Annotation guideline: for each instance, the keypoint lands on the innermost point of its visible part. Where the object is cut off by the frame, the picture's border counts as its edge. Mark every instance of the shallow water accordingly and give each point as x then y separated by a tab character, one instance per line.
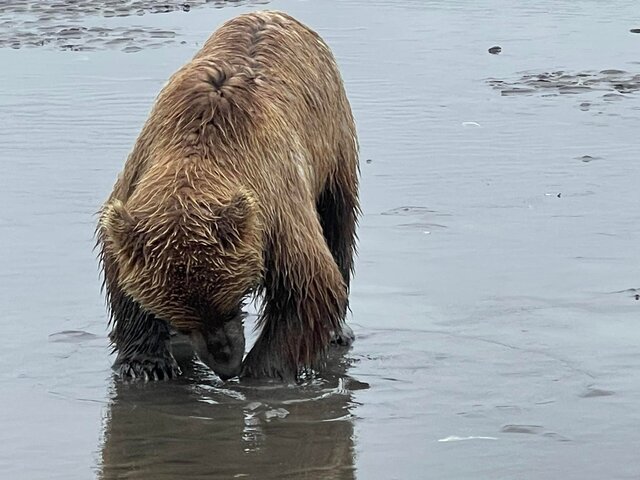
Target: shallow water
496	296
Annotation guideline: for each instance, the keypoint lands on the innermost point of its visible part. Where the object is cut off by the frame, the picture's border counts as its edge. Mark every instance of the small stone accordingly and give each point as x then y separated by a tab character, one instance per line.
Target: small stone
635	30
276	413
495	50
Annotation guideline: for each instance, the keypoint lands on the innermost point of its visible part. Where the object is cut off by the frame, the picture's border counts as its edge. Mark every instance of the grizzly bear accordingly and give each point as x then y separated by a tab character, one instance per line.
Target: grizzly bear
243	182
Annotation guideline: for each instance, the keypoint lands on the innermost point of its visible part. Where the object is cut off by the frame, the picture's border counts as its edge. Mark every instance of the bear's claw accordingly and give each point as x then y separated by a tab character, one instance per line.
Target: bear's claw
147	370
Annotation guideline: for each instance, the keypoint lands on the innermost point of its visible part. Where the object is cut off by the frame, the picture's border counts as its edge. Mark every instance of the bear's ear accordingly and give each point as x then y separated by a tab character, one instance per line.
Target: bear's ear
236	220
116	223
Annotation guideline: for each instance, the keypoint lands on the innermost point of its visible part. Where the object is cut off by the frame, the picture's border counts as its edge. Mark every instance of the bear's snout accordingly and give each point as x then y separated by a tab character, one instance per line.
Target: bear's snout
222	349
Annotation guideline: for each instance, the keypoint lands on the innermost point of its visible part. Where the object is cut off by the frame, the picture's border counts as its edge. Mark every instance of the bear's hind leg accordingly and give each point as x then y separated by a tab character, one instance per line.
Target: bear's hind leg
338	211
142	342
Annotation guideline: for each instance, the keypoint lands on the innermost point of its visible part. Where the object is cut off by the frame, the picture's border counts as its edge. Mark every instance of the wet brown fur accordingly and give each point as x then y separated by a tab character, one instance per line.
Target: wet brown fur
243	181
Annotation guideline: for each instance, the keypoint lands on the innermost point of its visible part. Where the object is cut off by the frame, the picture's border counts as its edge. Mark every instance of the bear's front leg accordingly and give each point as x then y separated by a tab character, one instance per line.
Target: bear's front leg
305	302
143	344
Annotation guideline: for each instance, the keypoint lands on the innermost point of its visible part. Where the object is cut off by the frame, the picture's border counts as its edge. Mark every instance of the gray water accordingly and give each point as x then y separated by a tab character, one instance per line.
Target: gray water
496	295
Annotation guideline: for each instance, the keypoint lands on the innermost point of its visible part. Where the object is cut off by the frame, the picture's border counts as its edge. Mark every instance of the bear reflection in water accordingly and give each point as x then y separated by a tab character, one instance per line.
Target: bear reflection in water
191	428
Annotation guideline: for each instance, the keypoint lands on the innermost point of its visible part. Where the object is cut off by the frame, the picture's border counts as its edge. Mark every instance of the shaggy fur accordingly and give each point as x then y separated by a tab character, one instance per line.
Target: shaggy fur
243	181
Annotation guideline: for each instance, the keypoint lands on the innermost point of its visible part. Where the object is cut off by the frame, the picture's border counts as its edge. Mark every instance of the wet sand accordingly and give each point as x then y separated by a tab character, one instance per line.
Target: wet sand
496	293
86	25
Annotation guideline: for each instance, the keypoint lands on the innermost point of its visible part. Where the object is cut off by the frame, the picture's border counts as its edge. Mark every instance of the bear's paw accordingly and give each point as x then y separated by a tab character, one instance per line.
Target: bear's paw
149	369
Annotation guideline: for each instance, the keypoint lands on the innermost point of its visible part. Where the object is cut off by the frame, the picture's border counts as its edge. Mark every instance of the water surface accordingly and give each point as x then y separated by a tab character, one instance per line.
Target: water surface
495	299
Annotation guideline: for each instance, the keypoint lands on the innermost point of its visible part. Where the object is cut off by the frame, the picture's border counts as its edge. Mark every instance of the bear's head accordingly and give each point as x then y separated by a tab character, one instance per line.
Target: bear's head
190	262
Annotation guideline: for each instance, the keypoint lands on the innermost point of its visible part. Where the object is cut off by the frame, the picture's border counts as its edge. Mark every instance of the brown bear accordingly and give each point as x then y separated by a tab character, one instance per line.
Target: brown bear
243	181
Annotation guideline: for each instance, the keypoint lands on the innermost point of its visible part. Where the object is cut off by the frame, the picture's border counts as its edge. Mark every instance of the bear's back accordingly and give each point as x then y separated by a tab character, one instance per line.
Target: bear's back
261	68
263	87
